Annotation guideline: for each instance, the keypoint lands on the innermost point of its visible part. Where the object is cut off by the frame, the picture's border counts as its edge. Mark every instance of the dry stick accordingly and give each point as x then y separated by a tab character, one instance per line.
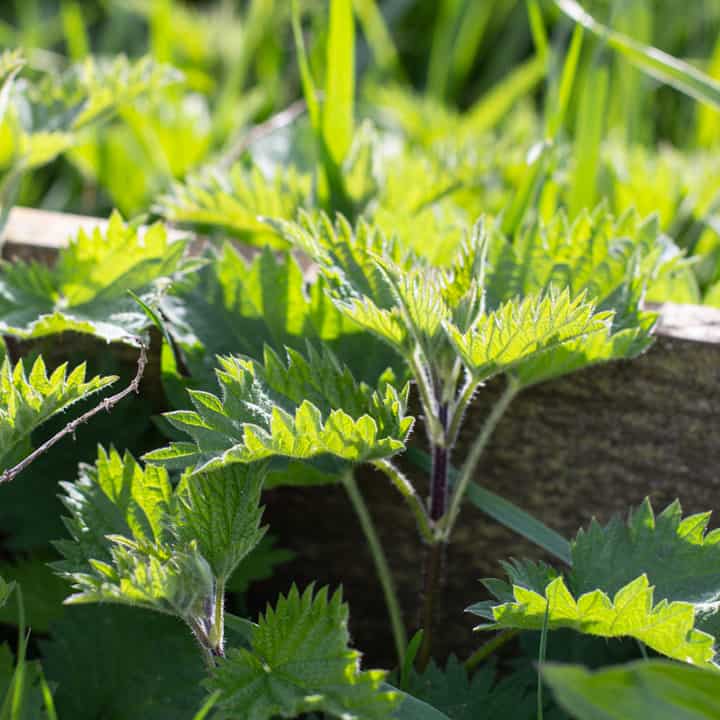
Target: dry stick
276	122
71	427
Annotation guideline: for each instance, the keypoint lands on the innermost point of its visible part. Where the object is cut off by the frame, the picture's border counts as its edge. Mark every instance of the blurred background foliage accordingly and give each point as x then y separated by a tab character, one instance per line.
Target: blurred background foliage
239	67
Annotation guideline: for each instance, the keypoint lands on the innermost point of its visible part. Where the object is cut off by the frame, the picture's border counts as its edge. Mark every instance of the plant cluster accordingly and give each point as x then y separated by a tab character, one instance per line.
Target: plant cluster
495	245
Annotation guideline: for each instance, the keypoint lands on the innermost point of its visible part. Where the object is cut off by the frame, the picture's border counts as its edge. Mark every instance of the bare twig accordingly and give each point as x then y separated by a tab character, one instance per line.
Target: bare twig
276	122
105	404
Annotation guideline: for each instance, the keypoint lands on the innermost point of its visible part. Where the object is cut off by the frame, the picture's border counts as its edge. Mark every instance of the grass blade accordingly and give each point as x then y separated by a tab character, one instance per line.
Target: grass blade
208	705
378	37
494	105
448	18
556	119
503	511
588	137
339	105
517	520
656	63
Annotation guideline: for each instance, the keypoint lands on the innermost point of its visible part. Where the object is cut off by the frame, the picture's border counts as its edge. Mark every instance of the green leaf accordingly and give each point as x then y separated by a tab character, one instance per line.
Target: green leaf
309	408
238	306
95	89
657	689
126	664
43	593
666	627
679	556
413	709
232	203
520	330
221	512
125	547
299	661
479	696
339	102
27	401
86	291
589	132
654	62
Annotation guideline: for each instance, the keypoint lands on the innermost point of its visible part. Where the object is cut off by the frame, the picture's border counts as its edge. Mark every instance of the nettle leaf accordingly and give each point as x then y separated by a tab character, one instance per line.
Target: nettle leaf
236	306
474	696
677	557
657	689
122	549
221	511
126	664
309	408
484	305
665	627
27	401
138	541
97	87
233	203
87	290
521	329
299	661
611	261
52	112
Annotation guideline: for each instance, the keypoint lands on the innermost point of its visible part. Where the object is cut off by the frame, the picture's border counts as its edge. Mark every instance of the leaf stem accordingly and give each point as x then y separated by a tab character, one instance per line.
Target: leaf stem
105	404
488	648
459	407
203	641
476	451
217	631
381	565
413	499
427	398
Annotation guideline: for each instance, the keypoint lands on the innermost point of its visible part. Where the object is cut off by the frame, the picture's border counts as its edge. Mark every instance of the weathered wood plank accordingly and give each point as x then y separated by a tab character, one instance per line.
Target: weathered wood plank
41	233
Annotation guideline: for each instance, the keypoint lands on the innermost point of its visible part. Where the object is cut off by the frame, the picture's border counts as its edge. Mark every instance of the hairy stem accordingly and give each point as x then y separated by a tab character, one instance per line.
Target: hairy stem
381	565
439	478
459	407
435	559
217	629
432	582
473	458
105	404
414	501
202	639
427	398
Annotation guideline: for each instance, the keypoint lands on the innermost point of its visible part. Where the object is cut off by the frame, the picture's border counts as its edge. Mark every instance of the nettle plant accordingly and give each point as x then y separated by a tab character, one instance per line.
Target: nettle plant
167	535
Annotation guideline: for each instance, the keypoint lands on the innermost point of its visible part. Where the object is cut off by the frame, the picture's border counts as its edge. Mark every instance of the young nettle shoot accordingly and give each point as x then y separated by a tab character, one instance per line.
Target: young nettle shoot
501	306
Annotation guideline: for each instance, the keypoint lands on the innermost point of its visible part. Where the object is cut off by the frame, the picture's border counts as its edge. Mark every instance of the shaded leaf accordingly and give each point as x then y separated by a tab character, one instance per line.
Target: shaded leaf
87	290
657	689
28	400
300	661
308	408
